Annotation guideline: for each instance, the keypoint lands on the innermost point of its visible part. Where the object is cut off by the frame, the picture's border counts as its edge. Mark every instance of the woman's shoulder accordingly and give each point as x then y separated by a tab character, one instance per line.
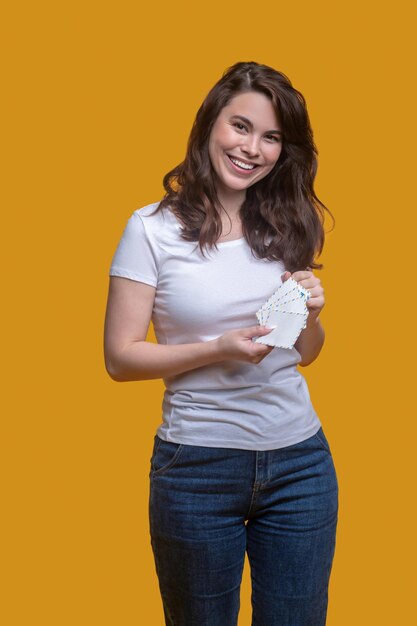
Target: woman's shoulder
151	211
155	218
160	225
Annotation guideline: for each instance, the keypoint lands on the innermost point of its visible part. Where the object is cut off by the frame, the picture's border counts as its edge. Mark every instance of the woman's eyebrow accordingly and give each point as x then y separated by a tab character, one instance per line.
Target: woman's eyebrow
249	123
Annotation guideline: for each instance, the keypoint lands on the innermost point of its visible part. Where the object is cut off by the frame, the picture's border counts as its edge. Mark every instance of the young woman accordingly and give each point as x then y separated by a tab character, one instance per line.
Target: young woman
240	462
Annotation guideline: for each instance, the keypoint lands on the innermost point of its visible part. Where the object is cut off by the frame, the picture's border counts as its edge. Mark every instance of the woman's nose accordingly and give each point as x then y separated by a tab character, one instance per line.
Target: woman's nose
251	145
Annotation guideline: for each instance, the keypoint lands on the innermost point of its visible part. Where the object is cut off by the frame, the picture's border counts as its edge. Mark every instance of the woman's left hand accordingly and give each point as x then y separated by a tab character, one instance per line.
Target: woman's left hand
307	279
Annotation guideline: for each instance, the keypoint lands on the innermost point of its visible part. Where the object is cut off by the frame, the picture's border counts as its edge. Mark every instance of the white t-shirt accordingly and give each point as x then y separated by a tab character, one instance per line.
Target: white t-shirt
230	404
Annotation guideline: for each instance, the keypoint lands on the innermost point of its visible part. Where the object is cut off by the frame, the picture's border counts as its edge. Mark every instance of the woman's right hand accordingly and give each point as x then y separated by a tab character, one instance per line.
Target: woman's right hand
238	344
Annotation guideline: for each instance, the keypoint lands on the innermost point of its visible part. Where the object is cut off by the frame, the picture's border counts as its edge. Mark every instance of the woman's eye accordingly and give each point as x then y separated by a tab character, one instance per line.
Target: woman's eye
273	137
239	126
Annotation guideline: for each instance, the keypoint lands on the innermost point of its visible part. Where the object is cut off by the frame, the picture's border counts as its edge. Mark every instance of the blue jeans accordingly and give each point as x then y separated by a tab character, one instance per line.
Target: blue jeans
208	506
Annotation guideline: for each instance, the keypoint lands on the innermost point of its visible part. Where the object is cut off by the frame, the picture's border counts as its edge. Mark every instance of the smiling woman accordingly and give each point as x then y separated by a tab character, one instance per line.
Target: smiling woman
256	118
243	149
240	461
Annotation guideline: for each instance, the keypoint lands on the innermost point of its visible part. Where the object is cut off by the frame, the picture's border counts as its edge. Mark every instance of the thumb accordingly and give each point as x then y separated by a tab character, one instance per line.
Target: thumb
285	276
260	330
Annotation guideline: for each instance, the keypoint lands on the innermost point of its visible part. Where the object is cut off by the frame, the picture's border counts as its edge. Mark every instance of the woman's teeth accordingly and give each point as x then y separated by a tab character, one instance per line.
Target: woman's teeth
244	166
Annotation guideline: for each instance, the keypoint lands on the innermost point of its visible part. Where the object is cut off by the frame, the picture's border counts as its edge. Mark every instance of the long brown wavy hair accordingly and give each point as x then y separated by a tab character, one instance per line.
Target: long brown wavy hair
282	218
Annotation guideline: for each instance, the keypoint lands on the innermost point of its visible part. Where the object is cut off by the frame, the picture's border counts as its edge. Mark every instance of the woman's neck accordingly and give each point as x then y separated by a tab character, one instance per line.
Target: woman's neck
231	200
231	223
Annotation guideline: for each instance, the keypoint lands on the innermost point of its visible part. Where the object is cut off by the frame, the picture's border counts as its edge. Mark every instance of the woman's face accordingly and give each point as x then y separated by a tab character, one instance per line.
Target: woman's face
245	142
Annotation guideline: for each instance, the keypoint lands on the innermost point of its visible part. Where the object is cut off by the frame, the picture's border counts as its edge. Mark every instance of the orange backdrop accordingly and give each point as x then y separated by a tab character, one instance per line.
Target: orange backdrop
98	100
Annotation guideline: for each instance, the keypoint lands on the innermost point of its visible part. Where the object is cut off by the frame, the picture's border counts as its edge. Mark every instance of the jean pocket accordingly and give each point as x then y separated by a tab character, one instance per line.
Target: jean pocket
165	455
322	439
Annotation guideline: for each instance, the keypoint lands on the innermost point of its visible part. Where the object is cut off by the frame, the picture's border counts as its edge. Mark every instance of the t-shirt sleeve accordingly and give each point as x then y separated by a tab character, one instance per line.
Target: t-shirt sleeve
136	256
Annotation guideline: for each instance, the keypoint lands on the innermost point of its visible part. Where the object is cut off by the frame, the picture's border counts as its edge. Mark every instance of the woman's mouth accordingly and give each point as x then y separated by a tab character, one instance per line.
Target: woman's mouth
241	166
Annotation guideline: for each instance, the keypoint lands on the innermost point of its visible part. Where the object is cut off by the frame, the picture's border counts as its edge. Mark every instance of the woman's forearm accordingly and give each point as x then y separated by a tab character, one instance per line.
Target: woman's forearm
143	360
310	341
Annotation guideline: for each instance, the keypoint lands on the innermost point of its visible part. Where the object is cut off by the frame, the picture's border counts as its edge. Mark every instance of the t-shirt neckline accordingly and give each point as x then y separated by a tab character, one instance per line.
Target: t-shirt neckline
220	244
231	242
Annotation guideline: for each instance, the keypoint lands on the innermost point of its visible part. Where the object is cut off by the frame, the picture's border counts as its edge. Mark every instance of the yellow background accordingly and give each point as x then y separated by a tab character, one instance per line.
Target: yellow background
98	100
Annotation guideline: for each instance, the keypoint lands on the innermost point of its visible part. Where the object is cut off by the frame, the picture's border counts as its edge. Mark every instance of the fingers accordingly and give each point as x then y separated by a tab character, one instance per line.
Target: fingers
302	275
239	344
257	357
262	330
256	331
259	351
307	280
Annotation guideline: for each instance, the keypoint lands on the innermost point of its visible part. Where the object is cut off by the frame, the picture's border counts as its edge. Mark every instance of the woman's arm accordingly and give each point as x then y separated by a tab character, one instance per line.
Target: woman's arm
129	357
311	339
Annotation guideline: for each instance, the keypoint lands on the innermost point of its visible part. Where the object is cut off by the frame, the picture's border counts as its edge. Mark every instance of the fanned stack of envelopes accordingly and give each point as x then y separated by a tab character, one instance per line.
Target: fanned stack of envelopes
286	312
